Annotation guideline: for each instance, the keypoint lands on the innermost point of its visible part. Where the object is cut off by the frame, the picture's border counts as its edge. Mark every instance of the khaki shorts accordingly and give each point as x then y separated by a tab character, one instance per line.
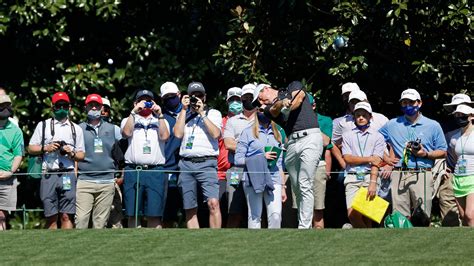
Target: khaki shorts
8	194
319	187
353	185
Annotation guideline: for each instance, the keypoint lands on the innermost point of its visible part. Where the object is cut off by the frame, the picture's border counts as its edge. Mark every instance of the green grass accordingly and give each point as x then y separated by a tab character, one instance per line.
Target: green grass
180	246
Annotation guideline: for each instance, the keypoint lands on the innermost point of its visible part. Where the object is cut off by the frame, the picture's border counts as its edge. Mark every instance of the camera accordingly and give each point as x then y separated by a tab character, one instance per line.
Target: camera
414	145
193	101
61	143
148	104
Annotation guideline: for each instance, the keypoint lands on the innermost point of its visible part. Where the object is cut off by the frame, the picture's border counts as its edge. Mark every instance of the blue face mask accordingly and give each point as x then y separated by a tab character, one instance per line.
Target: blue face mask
235	107
93	114
172	103
410	110
363	127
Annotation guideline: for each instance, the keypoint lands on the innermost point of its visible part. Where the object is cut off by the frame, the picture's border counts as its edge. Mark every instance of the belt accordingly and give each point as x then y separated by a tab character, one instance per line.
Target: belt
144	166
403	169
303	133
199	159
62	170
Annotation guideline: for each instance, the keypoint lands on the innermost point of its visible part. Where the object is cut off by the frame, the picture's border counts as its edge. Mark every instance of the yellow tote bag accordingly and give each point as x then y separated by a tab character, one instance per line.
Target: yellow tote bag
373	209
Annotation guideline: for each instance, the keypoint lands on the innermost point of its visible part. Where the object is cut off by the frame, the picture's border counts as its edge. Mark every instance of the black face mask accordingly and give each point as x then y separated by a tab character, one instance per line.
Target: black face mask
6	113
248	105
462	121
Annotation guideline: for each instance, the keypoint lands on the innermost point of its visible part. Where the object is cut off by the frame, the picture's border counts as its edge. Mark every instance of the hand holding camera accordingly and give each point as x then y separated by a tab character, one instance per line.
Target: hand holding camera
196	104
416	148
64	147
143	104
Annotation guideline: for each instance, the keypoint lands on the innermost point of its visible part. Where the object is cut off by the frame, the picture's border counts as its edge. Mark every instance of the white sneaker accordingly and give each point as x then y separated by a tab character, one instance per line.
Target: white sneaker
347	226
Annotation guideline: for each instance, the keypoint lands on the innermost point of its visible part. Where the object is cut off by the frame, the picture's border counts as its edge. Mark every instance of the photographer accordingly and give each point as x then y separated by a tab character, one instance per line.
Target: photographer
199	129
61	143
147	132
417	141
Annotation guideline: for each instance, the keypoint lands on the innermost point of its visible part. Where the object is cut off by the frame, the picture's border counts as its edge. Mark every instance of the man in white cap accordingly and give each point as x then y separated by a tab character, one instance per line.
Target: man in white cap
363	148
237	206
292	110
347	122
417	142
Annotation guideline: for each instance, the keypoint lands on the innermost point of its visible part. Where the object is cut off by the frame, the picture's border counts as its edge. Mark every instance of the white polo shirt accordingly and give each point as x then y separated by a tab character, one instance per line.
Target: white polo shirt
62	131
145	135
203	143
345	124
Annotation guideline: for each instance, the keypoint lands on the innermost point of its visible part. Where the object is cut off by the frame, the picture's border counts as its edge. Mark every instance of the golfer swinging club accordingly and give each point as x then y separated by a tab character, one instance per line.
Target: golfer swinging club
291	109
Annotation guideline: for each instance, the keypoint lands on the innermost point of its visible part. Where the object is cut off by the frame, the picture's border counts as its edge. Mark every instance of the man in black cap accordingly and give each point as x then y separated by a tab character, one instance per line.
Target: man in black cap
199	128
147	132
292	110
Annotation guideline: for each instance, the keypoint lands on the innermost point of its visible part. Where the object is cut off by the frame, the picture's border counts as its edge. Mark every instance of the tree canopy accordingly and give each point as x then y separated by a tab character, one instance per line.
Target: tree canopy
114	47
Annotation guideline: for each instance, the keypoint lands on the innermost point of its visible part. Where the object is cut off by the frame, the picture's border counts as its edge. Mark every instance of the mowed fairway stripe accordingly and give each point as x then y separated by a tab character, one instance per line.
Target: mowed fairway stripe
237	246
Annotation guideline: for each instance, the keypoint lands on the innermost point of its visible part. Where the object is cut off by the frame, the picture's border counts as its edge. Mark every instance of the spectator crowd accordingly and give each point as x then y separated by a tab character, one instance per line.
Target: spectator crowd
174	159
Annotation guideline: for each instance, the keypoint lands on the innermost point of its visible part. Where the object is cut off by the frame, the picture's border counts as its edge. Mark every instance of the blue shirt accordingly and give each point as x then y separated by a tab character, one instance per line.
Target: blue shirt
248	146
172	145
362	144
398	131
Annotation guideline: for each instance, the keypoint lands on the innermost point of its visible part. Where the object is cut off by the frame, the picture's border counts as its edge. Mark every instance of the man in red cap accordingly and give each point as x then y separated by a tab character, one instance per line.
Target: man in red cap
60	142
95	184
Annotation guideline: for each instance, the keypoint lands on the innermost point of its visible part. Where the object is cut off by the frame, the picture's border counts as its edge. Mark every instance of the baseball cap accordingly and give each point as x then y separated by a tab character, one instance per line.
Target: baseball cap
106	102
234	91
5	99
60	96
196	87
257	91
410	94
295	85
168	87
94	98
143	93
363	105
350	87
464	109
458	99
358	94
248	88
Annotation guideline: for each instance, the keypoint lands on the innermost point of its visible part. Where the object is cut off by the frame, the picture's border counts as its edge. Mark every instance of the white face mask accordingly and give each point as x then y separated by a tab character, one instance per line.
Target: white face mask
93	114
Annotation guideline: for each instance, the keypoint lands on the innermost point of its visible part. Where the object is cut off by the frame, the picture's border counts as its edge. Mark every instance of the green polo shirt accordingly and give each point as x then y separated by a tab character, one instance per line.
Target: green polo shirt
11	145
325	125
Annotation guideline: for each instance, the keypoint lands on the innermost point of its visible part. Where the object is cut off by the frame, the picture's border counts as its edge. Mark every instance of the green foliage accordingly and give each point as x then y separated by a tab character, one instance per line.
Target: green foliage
32	220
115	47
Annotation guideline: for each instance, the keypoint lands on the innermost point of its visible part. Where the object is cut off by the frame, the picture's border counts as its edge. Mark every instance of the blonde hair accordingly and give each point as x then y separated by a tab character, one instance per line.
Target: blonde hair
275	130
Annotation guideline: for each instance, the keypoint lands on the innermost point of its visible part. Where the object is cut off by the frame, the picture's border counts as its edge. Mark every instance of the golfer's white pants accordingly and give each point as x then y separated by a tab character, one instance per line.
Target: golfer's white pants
255	206
304	149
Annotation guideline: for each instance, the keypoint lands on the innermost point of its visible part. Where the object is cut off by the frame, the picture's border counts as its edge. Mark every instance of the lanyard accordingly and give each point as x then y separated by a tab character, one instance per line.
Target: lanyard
195	125
464	145
365	144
